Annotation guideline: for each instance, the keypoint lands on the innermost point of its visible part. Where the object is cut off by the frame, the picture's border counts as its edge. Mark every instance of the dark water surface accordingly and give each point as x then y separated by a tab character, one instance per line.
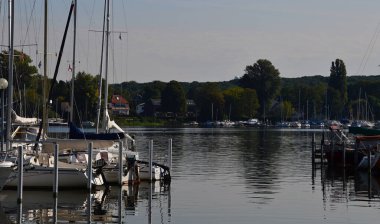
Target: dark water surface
219	176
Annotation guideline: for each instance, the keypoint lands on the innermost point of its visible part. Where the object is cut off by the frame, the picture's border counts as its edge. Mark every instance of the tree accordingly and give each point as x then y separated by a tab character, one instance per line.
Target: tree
265	79
22	68
153	90
337	91
86	95
210	102
243	102
173	98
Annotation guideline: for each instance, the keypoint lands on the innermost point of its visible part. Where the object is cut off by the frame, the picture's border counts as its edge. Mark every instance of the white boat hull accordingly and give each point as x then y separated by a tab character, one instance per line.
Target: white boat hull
43	177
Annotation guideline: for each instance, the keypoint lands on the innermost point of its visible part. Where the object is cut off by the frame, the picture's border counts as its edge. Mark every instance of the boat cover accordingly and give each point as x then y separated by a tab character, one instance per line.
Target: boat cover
76	133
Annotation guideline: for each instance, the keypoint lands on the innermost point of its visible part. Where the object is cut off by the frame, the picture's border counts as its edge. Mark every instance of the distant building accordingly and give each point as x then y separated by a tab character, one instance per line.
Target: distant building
152	107
119	105
140	109
191	109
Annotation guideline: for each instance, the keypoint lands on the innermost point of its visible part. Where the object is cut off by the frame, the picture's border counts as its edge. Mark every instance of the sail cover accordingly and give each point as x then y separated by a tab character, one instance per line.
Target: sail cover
76	133
23	120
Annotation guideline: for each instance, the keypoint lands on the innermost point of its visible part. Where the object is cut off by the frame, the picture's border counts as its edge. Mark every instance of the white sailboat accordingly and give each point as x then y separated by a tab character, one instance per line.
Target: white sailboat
133	170
39	167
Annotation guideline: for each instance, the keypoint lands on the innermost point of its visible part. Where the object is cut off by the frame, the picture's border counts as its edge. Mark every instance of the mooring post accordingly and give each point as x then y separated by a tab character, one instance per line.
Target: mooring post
332	149
344	155
20	174
121	169
55	210
89	166
369	175
356	154
369	163
150	159
55	186
313	150
170	155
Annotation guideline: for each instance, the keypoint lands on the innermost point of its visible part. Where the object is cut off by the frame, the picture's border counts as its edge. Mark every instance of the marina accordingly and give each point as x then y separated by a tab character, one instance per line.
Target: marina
171	112
220	175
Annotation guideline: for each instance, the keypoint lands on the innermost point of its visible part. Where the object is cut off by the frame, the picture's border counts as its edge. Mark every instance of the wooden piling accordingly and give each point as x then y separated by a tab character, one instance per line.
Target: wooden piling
121	169
369	163
55	185
369	175
89	166
313	149
150	159
170	146
344	155
20	174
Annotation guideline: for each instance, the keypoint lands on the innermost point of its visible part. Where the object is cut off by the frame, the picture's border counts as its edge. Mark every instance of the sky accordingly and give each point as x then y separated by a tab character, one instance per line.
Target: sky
206	40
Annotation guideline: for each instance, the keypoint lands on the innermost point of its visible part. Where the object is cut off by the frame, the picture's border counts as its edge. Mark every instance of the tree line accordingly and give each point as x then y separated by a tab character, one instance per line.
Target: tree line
259	93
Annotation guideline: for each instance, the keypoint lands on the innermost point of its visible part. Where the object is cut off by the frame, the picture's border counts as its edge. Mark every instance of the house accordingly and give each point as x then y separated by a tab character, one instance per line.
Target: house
119	105
191	109
152	107
140	109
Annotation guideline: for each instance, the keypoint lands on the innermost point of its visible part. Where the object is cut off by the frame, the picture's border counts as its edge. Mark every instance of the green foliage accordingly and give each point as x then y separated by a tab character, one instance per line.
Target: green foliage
241	102
337	95
210	102
23	78
86	95
283	111
173	98
153	90
337	91
265	79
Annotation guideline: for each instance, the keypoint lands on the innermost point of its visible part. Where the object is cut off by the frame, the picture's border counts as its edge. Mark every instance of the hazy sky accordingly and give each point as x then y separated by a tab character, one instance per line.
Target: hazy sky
210	40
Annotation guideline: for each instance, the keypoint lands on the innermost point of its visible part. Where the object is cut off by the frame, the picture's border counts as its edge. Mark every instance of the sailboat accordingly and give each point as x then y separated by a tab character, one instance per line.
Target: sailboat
134	170
39	166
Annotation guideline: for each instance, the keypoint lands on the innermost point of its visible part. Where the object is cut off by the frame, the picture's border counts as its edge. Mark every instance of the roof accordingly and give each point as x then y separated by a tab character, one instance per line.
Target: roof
118	99
156	102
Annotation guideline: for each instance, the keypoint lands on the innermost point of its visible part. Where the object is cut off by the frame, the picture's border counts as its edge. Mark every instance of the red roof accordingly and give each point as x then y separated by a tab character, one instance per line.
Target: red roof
117	99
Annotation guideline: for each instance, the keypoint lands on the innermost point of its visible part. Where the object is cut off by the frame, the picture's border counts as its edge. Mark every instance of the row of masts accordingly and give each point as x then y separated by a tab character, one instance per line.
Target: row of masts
45	71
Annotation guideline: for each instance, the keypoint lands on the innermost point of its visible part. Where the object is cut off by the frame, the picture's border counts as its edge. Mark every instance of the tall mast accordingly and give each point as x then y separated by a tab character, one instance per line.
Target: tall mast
10	73
73	68
100	72
106	69
45	83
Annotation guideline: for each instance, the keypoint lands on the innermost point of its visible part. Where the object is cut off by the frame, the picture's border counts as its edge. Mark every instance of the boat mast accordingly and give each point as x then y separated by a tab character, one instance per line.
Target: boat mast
45	83
101	71
73	68
10	73
106	70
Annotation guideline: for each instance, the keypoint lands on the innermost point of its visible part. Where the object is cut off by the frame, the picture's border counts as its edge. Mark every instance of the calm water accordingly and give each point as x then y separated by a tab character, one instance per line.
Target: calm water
219	176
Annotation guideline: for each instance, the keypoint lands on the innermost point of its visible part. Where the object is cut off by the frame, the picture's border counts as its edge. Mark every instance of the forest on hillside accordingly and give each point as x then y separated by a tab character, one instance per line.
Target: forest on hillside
261	93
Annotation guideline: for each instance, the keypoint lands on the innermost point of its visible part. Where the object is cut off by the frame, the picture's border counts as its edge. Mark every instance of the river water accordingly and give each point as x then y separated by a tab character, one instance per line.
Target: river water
234	175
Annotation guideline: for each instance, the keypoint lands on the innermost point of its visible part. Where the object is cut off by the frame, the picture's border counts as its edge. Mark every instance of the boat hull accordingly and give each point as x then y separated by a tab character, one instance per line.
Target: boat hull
43	177
335	157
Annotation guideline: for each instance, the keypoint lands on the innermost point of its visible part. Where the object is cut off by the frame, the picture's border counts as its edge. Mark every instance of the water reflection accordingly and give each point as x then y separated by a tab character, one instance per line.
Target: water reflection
219	176
105	206
348	185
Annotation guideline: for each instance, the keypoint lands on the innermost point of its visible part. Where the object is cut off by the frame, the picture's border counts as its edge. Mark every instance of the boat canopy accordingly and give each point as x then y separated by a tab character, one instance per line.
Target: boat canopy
363	131
76	133
367	138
